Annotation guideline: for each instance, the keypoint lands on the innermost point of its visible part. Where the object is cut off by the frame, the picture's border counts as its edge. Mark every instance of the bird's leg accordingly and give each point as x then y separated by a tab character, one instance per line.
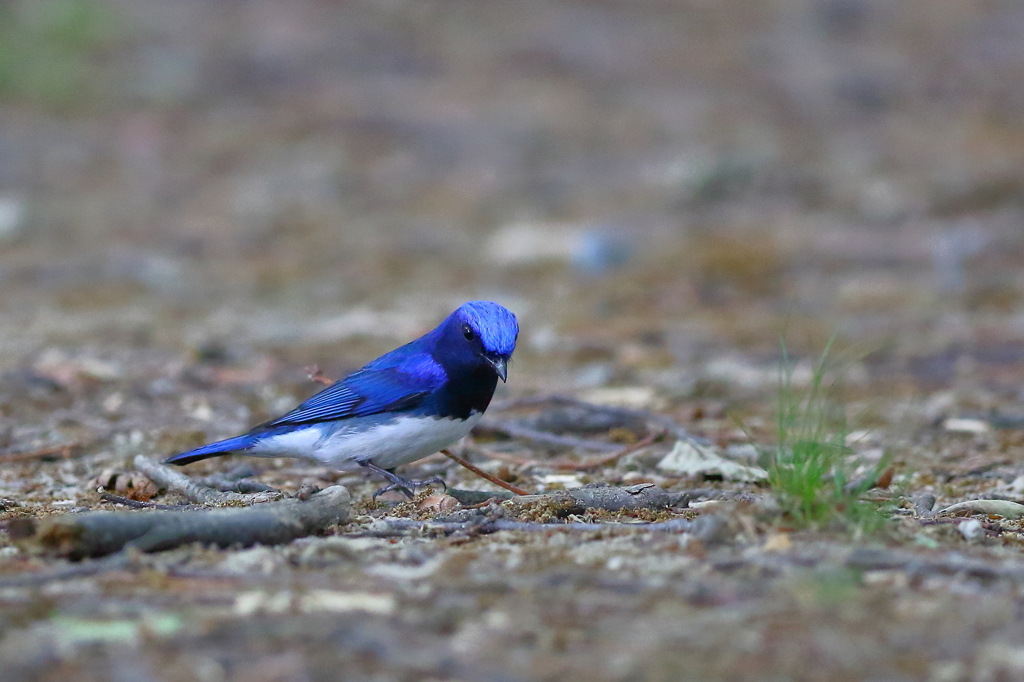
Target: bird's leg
414	483
403	485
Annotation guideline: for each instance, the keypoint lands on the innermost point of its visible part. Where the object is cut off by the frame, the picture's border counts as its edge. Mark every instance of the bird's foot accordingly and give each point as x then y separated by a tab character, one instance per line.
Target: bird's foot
406	486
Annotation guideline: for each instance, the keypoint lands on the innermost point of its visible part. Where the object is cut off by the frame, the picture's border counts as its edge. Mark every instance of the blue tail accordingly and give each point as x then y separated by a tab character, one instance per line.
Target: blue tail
221	447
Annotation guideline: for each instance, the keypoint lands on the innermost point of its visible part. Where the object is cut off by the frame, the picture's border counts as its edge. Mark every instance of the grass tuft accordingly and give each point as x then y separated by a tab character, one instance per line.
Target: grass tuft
51	51
811	469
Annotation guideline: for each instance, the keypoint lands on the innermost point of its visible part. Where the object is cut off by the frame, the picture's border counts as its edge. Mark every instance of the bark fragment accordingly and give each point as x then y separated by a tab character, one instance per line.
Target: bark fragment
95	534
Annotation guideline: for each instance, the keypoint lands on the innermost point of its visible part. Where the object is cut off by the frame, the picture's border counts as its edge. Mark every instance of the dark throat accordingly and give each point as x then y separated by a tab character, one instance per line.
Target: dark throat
466	391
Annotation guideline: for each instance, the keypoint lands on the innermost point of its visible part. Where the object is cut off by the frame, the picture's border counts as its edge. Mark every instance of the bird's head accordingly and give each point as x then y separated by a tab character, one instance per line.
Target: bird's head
481	332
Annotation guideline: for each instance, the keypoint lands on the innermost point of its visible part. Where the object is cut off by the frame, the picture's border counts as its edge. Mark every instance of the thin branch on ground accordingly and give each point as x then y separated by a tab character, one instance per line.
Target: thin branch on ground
609	498
701	527
578	500
226	483
720	495
472	499
139	504
96	534
642	495
991	527
480	505
483	474
170	479
871	559
87	569
64	451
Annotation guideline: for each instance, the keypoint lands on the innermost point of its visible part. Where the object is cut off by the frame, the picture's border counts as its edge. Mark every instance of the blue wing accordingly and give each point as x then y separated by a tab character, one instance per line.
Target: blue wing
394	382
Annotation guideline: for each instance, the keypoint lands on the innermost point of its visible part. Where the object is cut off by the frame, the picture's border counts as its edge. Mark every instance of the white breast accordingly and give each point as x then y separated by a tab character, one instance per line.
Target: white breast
387	445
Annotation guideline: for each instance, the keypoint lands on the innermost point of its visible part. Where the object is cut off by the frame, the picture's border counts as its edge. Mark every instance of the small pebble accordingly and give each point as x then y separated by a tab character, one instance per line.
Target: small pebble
307	491
437	503
971	529
975	426
13	211
923	503
778	542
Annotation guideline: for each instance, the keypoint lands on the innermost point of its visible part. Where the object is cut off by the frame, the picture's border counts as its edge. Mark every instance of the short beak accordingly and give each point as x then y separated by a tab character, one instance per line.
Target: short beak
500	366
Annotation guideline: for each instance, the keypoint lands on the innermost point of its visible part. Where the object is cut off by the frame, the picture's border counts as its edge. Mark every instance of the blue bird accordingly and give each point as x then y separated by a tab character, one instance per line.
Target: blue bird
401	407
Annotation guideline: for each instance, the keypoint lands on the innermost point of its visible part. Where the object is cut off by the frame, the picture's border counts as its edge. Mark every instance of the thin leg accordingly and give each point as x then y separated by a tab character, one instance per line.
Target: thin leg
403	485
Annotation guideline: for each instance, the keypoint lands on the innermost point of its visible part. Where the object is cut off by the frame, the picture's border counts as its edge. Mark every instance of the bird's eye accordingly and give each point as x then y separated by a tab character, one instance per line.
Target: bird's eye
468	332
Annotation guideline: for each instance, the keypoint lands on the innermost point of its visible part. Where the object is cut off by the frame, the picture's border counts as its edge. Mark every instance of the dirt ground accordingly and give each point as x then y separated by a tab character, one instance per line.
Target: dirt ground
200	199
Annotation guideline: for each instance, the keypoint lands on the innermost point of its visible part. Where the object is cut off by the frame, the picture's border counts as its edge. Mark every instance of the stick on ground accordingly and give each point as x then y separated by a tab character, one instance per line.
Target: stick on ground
701	527
96	534
483	474
168	478
577	500
139	504
64	451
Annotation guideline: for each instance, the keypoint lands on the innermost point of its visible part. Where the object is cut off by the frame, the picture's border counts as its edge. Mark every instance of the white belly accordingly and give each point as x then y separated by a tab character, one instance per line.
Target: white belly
387	445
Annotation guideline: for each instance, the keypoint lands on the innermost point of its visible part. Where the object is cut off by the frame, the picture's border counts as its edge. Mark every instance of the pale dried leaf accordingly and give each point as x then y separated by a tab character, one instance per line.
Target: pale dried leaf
690	459
1004	508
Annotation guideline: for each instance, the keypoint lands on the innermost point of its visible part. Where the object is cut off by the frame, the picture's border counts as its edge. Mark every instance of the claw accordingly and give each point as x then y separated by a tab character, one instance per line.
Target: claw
394	486
402	485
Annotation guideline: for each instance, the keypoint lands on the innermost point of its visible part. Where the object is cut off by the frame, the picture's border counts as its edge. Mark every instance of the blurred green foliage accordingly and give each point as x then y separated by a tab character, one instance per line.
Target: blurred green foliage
51	51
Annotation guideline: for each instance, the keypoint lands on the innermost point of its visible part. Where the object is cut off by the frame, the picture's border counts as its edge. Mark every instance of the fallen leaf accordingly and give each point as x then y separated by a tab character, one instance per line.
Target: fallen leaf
690	459
1004	508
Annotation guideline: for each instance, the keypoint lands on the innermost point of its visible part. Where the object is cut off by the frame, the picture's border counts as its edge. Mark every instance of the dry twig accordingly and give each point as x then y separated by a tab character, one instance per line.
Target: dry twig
116	562
610	498
578	500
483	474
139	504
226	483
703	526
63	450
170	479
470	498
95	534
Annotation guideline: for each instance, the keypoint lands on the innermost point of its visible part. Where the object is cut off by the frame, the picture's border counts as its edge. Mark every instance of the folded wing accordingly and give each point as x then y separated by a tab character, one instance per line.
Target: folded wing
386	385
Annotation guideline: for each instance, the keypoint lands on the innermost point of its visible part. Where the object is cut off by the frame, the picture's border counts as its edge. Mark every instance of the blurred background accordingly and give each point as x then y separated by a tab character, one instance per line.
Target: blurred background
659	188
